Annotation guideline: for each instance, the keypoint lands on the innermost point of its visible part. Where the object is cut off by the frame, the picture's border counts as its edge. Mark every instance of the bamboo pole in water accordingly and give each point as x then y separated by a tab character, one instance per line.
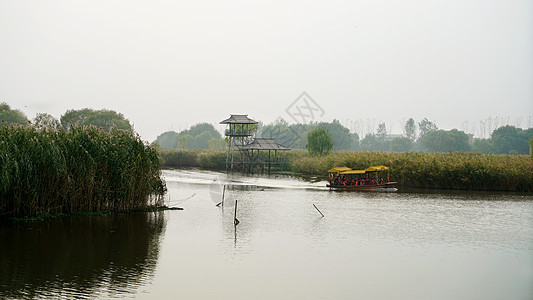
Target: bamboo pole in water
223	193
235	221
222	202
318	210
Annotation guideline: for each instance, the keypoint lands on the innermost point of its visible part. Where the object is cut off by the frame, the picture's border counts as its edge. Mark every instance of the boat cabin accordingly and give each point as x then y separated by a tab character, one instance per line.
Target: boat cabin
344	177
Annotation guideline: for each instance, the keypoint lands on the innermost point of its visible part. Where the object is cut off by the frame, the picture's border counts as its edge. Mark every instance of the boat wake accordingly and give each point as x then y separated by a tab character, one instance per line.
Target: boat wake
202	177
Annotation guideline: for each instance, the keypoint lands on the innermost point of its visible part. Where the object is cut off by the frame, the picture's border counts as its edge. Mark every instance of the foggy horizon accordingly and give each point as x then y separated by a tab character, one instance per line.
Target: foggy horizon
167	65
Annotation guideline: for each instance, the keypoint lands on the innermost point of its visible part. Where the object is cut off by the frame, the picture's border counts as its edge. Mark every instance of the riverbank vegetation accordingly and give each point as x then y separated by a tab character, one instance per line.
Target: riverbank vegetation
207	159
45	171
457	161
453	170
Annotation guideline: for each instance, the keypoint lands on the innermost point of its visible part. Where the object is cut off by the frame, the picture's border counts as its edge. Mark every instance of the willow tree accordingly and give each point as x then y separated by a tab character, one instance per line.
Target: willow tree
319	141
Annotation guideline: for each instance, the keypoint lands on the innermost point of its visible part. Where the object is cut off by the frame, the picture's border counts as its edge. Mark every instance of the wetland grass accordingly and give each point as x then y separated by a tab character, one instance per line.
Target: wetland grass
453	170
45	172
207	159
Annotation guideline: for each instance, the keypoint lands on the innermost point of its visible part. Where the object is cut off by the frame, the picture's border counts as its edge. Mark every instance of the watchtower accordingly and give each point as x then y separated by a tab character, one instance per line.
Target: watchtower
240	132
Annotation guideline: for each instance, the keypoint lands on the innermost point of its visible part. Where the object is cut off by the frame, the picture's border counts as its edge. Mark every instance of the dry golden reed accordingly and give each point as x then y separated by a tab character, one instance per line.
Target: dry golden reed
453	170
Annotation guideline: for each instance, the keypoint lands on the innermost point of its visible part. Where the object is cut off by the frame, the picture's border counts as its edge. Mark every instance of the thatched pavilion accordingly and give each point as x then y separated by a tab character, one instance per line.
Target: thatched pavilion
255	158
244	151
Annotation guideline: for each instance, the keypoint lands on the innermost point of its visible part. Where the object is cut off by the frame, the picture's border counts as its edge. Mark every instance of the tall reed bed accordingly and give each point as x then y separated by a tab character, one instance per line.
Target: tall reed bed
455	170
208	159
83	169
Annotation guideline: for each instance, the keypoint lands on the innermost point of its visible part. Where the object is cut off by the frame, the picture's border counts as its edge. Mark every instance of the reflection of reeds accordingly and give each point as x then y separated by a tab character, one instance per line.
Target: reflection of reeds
83	169
95	256
455	170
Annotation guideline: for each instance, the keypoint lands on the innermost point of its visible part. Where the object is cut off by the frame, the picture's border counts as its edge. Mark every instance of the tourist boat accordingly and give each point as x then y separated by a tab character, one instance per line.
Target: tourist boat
344	178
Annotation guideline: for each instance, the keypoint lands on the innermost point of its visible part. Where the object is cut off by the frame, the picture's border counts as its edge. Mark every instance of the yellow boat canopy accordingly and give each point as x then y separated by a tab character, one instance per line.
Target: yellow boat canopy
376	168
353	172
339	169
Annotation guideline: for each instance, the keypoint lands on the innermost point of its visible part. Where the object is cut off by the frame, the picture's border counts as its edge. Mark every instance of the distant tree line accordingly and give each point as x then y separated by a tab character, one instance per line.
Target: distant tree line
105	119
423	136
426	137
199	136
12	116
531	147
295	136
506	140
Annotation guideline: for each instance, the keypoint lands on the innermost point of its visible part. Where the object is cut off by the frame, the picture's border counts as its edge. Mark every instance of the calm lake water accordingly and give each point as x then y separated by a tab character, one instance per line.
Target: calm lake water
369	245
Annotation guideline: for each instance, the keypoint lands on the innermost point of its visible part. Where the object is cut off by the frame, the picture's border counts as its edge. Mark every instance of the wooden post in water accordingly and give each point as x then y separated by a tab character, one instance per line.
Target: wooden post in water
222	202
269	162
223	192
318	210
235	221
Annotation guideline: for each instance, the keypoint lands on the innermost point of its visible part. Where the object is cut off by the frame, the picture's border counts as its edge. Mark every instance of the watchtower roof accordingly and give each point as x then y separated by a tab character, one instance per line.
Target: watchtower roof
264	144
238	119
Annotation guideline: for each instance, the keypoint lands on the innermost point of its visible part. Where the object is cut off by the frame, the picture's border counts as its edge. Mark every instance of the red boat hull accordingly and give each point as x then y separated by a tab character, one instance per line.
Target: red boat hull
387	185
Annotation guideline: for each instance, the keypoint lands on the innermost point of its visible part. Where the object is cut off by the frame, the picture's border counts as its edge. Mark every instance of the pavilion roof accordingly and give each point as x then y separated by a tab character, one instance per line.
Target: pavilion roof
264	144
238	119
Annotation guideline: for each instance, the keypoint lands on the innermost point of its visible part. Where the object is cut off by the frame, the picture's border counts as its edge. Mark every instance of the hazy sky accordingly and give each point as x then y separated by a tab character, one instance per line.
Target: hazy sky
170	64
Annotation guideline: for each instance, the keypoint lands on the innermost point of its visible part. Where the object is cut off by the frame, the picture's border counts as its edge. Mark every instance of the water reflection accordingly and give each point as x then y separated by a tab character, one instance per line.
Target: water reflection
101	256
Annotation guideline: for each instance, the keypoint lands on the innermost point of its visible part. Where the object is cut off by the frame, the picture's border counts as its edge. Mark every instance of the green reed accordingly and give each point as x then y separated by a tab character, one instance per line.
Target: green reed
454	170
83	169
208	159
